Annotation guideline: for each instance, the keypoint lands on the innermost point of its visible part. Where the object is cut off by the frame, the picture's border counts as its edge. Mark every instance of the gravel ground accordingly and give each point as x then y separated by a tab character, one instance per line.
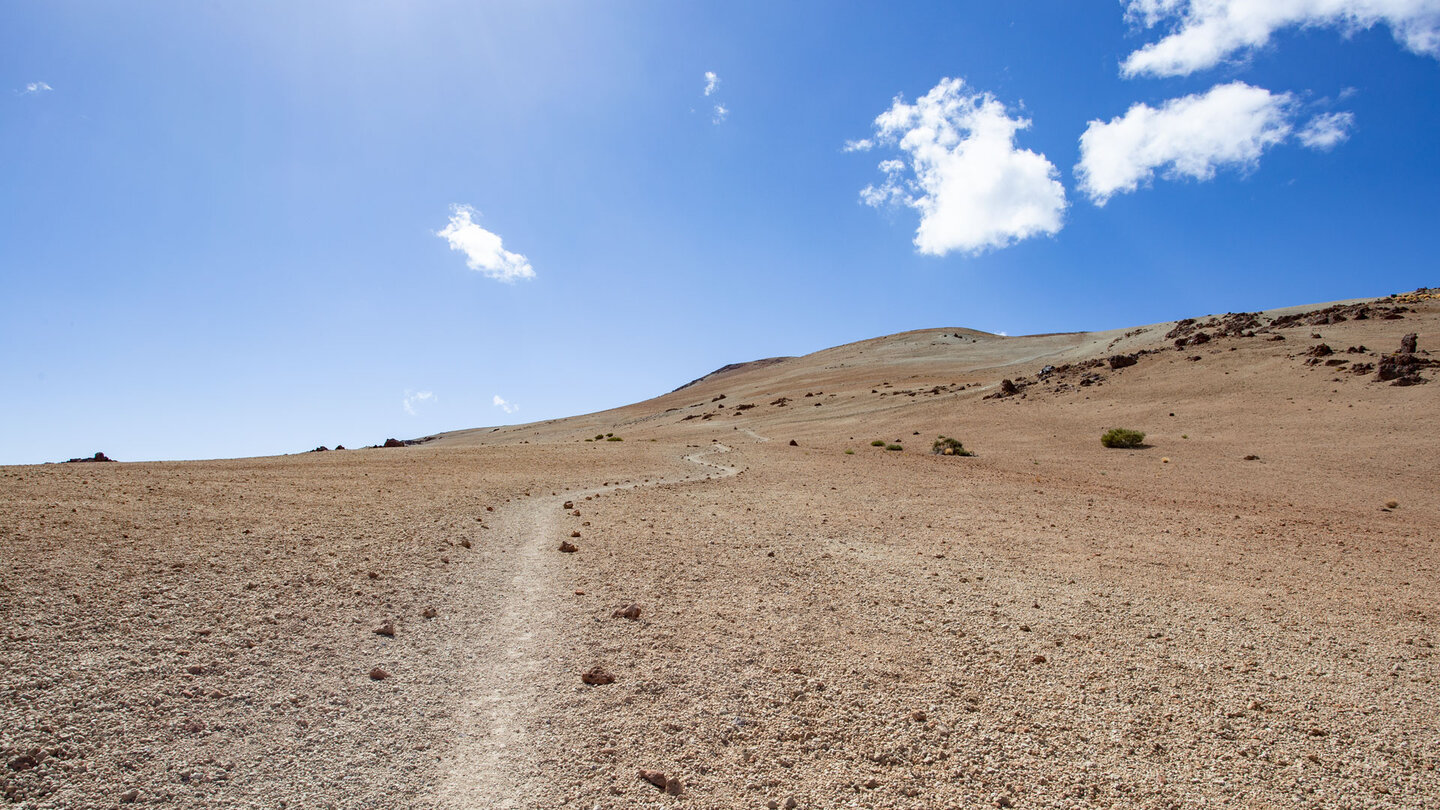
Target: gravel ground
1241	613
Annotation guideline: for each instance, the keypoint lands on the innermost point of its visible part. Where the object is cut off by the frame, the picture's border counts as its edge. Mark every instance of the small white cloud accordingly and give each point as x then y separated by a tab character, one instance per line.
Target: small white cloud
507	407
712	82
1230	125
1206	32
974	189
720	114
35	89
859	145
1325	132
416	399
483	250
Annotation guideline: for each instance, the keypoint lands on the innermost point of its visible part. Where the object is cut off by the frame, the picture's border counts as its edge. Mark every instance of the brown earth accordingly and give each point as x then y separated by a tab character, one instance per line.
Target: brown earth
1242	612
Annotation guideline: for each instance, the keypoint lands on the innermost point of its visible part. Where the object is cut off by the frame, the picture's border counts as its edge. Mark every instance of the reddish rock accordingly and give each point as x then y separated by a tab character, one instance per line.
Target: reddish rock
378	674
631	612
596	676
568	547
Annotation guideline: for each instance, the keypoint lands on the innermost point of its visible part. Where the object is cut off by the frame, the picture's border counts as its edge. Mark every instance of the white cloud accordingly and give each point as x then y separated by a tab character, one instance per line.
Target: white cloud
974	189
507	407
712	82
1193	136
1206	32
721	113
414	400
35	89
859	145
482	249
1325	132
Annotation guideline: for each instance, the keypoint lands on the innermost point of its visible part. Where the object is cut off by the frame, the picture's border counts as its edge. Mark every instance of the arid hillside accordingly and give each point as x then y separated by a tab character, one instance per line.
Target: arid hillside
775	594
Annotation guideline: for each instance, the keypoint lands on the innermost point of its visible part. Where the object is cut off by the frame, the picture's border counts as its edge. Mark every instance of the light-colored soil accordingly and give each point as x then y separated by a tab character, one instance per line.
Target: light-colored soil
1047	624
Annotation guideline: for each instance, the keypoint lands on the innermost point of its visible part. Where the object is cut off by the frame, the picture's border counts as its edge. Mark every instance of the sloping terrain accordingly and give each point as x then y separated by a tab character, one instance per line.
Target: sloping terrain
1242	611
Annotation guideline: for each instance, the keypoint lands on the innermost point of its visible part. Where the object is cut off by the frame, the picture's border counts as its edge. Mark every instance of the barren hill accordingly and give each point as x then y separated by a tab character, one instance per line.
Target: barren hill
1240	611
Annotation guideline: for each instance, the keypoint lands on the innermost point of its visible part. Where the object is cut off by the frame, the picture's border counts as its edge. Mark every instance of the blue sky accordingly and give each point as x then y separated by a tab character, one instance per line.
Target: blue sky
234	229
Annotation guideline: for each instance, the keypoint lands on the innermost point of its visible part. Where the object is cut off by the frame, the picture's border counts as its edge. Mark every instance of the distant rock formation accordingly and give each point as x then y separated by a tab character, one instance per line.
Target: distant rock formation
87	459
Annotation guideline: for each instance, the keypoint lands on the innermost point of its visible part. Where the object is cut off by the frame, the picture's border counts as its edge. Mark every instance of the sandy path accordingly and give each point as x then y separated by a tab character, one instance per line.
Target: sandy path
497	762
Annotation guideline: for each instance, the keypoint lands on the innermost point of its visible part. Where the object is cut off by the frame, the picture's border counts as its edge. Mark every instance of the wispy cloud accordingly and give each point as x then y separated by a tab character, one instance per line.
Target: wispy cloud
712	82
414	400
34	89
1231	125
483	250
1325	132
974	189
1207	32
859	145
507	407
720	114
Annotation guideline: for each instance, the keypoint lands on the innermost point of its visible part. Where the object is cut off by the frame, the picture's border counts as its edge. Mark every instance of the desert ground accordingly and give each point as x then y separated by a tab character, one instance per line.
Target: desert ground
1241	612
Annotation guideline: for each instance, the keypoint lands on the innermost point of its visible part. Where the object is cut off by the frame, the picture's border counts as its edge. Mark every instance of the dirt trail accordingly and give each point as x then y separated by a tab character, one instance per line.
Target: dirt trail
496	763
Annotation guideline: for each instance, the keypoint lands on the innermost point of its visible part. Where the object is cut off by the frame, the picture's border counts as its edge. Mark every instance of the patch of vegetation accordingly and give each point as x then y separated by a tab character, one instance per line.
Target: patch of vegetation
947	446
599	436
613	438
878	443
893	447
849	452
1123	437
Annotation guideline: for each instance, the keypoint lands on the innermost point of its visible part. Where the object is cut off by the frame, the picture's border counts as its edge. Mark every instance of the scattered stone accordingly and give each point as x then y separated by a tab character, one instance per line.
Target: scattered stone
429	613
393	443
195	669
1123	360
794	443
575	534
387	629
669	784
918	716
321	449
1039	659
568	547
24	762
1409	343
378	674
130	796
1392	504
596	676
568	505
374	575
464	543
631	612
1252	457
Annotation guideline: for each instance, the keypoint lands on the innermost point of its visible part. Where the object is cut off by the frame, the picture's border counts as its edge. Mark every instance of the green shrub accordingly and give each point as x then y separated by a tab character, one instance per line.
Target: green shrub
878	443
849	452
1122	437
599	436
893	447
614	439
946	446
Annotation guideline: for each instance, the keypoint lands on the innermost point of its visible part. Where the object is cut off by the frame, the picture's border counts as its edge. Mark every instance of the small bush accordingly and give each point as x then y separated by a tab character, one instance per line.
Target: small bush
946	446
893	447
1122	437
614	439
599	436
878	443
849	452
